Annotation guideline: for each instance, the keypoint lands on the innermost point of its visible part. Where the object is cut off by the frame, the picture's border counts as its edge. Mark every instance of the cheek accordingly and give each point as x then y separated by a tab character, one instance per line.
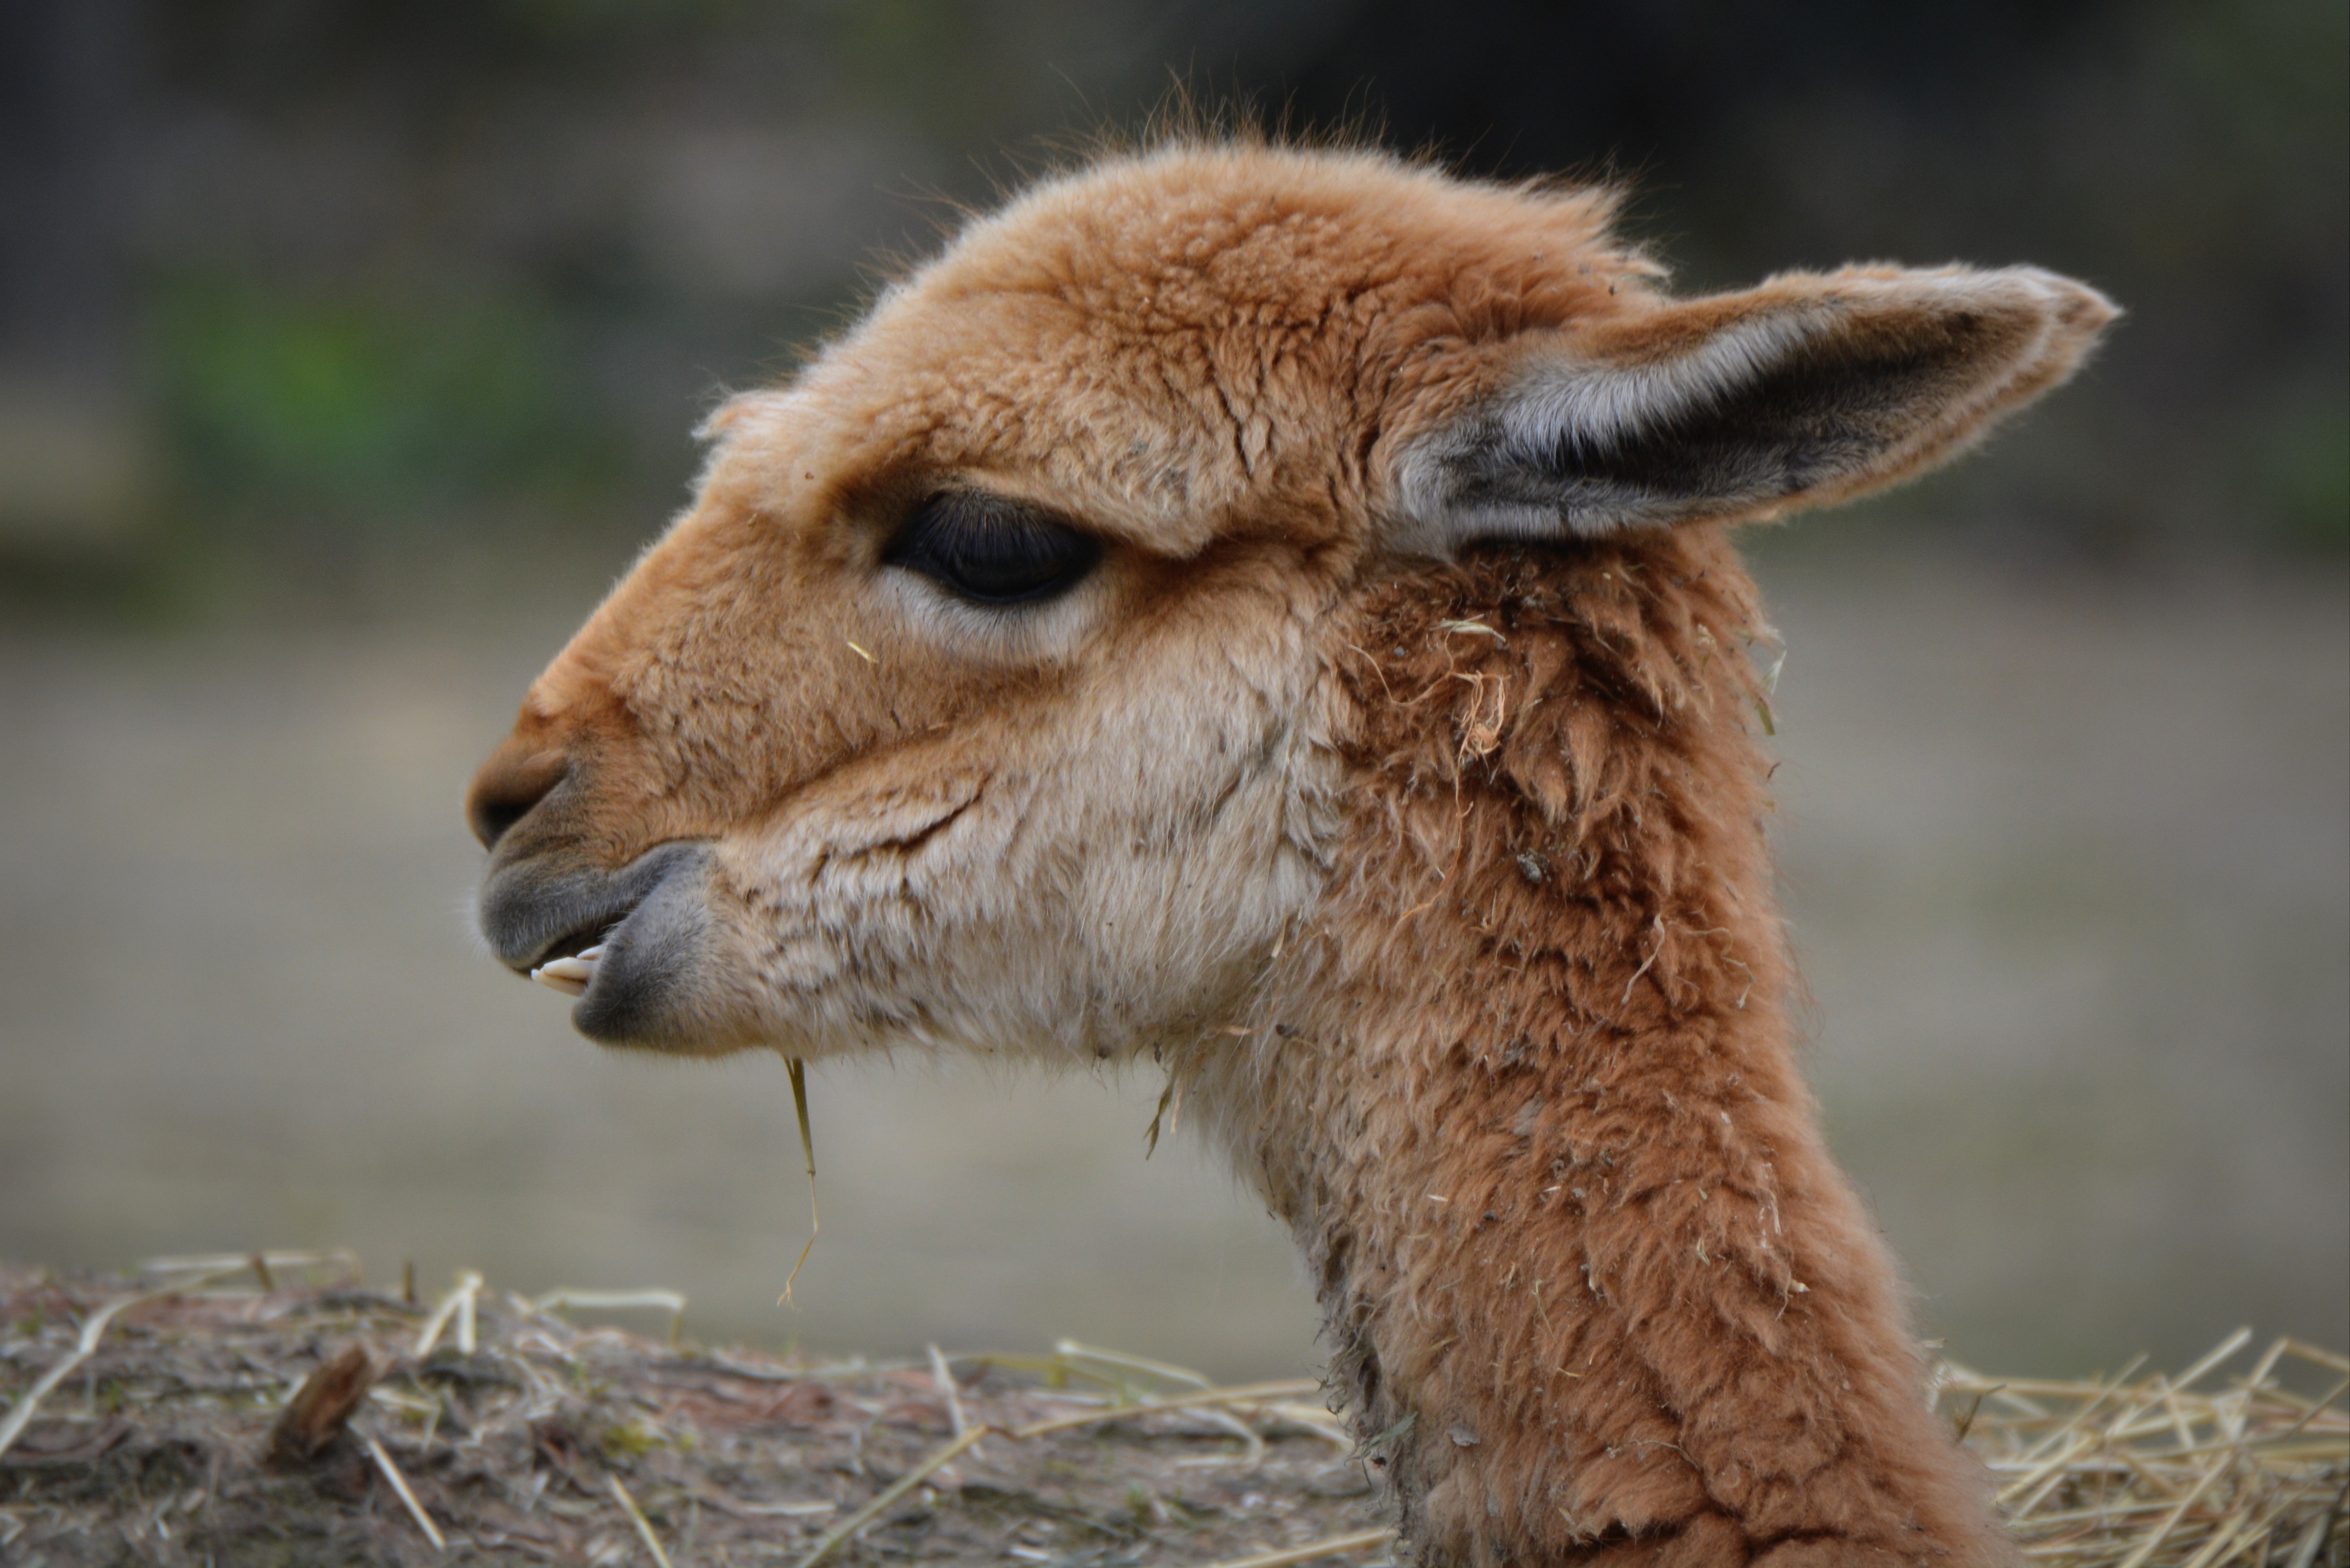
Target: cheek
749	699
1179	913
1092	881
833	908
1211	811
1031	914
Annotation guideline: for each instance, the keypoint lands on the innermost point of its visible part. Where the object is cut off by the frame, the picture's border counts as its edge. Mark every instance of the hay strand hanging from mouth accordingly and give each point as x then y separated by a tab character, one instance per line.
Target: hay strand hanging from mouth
797	1071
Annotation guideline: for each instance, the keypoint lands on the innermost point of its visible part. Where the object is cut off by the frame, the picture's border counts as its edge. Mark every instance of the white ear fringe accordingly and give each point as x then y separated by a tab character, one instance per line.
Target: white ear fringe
1600	406
1555	399
1560	400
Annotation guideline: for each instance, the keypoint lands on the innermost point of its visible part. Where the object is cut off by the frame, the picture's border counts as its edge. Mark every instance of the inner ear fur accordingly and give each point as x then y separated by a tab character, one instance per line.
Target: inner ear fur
1810	388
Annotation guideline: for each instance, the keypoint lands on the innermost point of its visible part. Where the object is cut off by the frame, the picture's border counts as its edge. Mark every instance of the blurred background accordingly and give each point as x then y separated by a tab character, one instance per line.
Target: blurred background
348	349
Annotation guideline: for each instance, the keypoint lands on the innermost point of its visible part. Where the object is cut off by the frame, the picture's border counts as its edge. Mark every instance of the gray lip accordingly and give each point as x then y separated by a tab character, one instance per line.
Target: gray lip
645	984
526	907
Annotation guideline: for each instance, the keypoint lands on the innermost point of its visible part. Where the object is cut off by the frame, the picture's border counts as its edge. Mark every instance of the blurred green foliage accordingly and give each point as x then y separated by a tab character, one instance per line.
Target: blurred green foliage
447	269
367	408
2300	467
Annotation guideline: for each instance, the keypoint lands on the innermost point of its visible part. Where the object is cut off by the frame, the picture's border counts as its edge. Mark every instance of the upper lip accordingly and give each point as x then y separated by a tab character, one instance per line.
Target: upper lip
534	911
576	942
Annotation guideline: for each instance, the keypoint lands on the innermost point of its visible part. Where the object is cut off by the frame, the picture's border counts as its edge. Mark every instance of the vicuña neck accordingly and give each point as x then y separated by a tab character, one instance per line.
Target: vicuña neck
1523	1087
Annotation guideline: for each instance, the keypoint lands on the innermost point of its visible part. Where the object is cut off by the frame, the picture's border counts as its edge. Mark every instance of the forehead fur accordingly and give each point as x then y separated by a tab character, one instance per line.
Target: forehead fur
1162	342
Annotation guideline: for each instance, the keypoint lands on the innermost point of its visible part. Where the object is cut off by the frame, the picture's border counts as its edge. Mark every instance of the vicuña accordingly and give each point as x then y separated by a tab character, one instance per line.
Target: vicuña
1274	612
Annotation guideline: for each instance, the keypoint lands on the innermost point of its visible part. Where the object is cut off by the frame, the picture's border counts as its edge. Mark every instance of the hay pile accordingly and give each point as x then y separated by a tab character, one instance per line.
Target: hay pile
291	1416
485	1429
2191	1471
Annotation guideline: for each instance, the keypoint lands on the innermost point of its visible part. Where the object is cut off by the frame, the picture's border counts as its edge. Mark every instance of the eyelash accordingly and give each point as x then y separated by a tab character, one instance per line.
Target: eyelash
992	551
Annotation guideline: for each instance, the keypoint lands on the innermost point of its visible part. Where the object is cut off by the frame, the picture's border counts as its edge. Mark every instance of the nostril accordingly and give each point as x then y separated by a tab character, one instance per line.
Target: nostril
506	789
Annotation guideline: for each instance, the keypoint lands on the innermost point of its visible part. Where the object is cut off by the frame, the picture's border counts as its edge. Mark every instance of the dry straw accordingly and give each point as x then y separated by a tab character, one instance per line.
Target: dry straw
1285	1399
2195	1470
492	1419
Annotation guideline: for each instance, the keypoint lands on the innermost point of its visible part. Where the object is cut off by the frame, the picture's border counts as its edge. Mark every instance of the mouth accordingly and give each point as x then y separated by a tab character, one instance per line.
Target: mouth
620	942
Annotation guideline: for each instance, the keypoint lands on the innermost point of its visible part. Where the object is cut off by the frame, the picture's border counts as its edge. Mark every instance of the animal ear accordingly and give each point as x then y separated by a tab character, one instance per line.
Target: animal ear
743	410
1811	388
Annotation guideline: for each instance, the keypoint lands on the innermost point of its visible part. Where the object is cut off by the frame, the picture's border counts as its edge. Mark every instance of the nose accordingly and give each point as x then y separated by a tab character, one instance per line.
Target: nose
513	780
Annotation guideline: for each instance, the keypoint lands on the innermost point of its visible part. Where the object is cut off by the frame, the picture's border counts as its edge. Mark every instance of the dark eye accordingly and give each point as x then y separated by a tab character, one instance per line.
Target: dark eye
995	551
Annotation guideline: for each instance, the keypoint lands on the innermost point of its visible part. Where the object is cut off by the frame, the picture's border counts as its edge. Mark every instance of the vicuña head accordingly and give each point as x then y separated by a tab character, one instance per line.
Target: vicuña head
1276	611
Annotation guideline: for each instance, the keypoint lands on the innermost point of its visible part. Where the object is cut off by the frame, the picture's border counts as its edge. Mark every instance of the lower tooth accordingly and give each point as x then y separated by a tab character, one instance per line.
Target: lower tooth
569	985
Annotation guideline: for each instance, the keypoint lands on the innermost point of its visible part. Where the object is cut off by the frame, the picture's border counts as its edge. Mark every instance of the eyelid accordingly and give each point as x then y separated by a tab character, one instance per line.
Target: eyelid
980	506
925	544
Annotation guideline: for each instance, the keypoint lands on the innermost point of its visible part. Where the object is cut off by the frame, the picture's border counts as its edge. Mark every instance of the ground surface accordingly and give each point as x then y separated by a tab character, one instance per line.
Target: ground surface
159	1449
221	1414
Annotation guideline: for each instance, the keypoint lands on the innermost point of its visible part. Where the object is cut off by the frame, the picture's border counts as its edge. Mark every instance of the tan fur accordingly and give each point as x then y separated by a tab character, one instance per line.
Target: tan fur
1431	866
